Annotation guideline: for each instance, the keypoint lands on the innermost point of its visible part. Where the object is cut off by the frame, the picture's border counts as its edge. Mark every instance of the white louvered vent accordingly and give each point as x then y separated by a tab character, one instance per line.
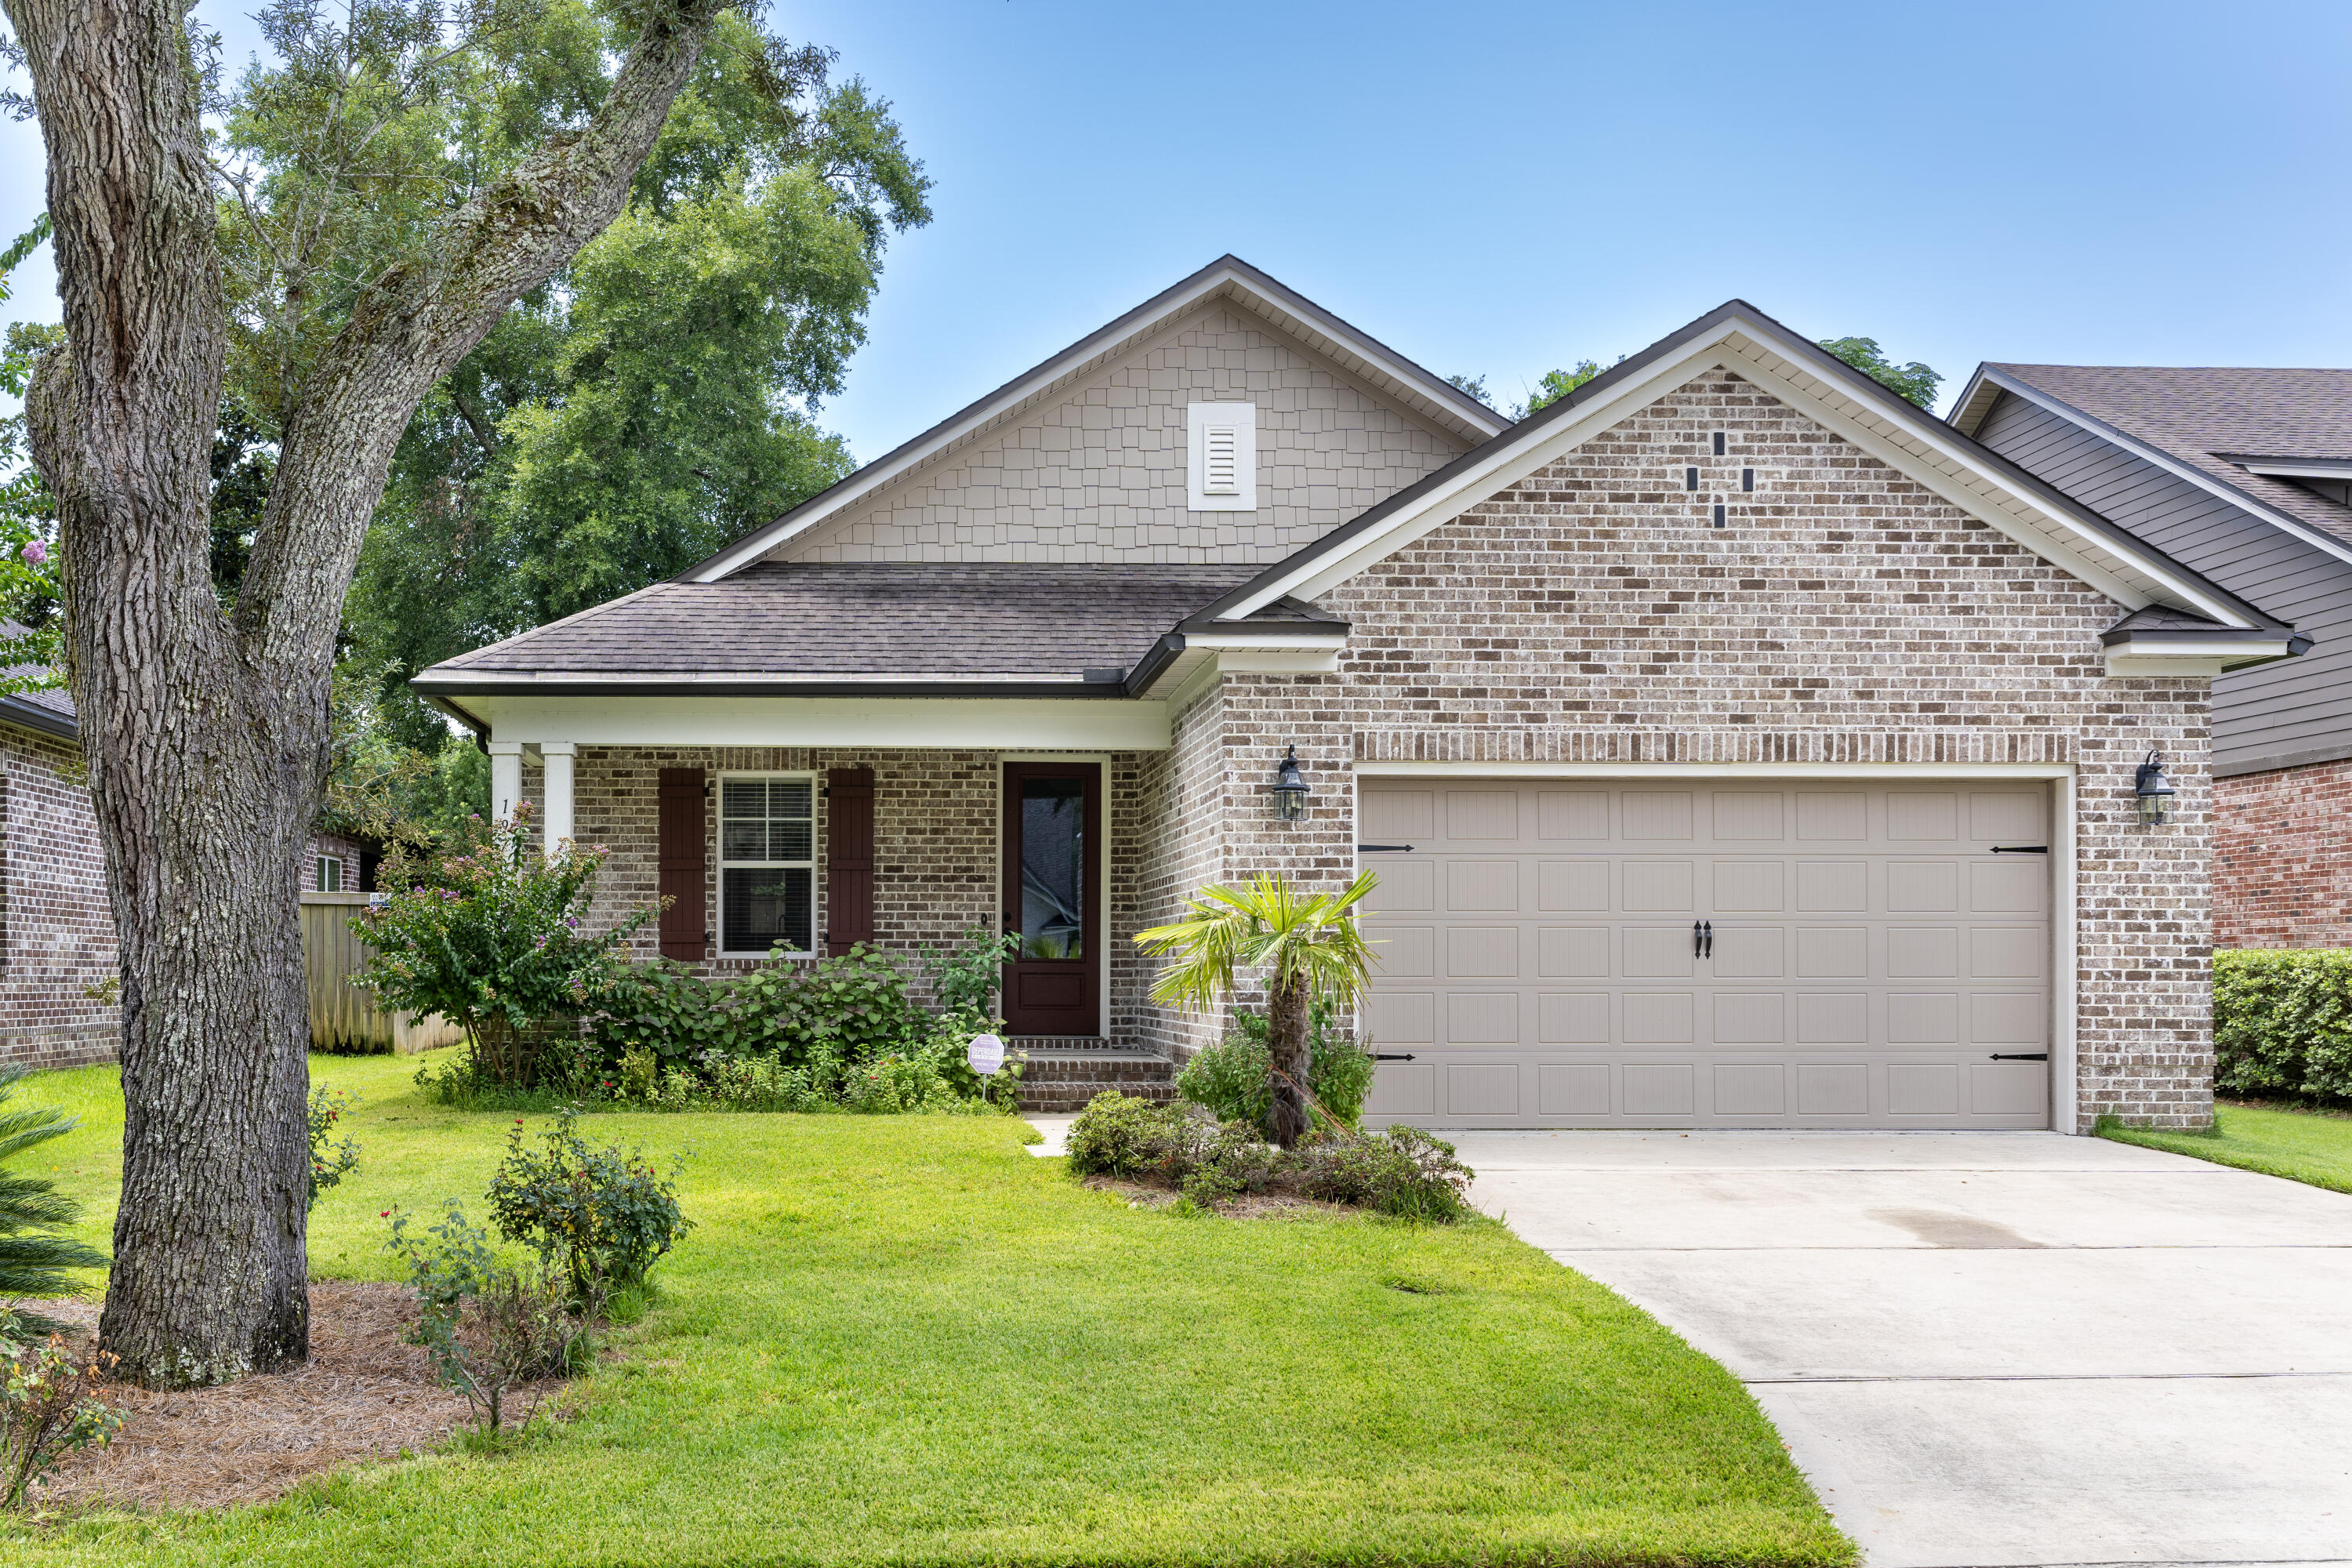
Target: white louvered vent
1222	462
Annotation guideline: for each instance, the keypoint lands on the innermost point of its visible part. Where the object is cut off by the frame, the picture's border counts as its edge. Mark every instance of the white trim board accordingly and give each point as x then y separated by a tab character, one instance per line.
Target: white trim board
1761	353
980	724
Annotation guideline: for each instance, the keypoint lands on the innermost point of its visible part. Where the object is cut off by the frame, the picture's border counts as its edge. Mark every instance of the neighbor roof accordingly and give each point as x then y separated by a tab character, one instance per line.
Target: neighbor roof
868	628
50	711
1276	304
2205	420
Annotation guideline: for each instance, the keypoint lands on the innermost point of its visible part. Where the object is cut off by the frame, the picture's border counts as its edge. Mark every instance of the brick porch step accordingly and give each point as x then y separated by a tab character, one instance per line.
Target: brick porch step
1058	1082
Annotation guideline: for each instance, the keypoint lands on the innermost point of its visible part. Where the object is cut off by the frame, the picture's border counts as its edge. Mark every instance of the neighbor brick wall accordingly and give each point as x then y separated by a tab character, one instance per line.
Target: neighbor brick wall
57	929
1097	472
2282	858
1846	614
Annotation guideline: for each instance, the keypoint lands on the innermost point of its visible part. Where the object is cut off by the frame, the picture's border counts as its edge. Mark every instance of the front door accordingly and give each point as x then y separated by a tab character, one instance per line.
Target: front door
1053	844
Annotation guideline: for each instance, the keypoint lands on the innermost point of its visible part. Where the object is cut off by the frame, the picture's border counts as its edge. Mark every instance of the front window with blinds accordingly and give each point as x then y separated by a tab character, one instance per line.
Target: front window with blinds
767	863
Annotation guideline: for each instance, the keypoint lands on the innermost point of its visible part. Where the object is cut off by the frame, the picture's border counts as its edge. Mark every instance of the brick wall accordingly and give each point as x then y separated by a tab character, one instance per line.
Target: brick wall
56	932
1846	614
2282	858
1097	473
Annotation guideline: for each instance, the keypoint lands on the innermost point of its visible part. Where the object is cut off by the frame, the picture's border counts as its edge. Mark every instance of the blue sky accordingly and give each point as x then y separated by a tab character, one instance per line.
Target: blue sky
1499	190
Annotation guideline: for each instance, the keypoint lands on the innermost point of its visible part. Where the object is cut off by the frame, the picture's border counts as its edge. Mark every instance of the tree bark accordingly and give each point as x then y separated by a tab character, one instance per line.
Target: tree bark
1288	1046
205	734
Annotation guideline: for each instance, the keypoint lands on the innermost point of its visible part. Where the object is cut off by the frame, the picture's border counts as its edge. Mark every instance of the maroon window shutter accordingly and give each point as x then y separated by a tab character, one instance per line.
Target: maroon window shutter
848	858
685	846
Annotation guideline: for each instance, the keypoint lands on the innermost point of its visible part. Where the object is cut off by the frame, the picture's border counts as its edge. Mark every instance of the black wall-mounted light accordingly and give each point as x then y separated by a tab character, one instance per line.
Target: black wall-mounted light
2155	792
1289	789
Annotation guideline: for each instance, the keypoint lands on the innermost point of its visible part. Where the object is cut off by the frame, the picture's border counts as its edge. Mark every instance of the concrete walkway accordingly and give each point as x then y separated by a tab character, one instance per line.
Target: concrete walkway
1990	1347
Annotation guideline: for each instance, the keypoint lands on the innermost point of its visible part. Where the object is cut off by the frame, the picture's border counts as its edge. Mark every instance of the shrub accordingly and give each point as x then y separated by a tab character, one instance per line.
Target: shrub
38	1257
1231	1077
964	978
489	1328
2282	1023
329	1160
48	1407
1120	1136
1401	1171
605	1217
495	936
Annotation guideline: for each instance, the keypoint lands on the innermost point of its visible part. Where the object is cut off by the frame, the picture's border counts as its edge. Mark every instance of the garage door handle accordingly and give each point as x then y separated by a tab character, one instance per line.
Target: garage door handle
1702	939
2021	1056
1379	1058
2021	849
1383	848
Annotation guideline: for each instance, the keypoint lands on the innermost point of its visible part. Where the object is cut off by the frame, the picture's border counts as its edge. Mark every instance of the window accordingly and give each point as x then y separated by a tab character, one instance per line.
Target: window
767	863
1221	458
331	873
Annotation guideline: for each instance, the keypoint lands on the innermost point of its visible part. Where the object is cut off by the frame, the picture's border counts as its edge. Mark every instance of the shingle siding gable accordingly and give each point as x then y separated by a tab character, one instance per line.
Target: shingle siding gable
1098	473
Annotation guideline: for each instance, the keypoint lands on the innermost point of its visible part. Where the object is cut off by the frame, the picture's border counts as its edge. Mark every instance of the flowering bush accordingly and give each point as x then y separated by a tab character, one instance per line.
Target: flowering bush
489	1328
48	1407
603	1217
328	1159
494	935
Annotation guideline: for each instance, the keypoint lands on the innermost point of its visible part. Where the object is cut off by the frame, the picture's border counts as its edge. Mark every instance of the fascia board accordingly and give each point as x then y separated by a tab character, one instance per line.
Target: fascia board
1474	483
45	720
2203	648
2170	465
2049	532
1238	641
2126	660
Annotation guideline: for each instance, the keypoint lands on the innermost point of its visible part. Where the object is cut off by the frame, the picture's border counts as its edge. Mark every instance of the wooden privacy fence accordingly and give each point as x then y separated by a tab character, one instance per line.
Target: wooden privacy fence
344	1017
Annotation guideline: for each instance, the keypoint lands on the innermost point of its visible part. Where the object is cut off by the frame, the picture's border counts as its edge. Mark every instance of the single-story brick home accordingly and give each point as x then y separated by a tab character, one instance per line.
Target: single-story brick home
56	928
2246	476
1737	745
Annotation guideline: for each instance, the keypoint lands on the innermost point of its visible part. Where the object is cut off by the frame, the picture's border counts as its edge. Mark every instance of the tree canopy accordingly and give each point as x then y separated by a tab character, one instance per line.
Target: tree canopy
1914	380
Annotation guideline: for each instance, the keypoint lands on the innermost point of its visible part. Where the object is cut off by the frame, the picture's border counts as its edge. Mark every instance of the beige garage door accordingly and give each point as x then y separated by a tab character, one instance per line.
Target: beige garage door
1823	954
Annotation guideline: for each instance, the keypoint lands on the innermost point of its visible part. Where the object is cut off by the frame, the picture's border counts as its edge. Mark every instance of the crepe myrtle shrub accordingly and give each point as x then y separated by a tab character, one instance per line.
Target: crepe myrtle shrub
48	1406
493	1328
495	935
2283	1023
1233	1078
601	1218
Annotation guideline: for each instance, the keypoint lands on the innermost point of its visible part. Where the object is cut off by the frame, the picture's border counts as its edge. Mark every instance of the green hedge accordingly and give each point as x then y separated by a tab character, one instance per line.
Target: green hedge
2282	1023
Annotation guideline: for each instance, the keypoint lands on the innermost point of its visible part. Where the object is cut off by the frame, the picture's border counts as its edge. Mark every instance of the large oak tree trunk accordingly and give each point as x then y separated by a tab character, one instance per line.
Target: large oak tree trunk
206	733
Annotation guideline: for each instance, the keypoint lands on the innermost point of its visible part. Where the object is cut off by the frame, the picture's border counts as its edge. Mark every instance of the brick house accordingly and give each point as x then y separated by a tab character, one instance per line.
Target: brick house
56	928
2245	476
1736	744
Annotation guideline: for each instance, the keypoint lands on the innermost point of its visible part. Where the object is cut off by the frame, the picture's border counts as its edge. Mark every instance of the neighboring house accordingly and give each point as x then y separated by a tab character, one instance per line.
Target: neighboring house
1736	744
56	929
2246	477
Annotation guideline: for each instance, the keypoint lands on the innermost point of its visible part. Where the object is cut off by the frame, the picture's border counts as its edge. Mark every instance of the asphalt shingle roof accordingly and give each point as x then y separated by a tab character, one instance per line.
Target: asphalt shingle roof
908	619
56	701
2203	417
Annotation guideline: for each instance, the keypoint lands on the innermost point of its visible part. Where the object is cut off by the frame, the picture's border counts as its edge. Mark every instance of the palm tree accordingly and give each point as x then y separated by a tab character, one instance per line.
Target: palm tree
34	1254
1309	945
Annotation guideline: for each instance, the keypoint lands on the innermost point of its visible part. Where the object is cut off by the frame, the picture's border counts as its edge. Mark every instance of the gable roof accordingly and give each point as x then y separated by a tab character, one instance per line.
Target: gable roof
1273	303
1737	336
2200	424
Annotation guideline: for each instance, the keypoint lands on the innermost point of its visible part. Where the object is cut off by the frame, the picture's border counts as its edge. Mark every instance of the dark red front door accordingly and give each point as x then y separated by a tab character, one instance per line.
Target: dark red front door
1052	844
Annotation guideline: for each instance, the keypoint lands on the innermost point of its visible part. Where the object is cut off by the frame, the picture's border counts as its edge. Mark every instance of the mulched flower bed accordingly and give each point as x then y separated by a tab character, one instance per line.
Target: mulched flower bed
1247	1205
364	1394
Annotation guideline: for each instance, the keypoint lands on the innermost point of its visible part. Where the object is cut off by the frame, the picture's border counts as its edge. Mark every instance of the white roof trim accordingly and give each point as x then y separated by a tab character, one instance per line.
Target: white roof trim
1755	350
1987	375
1386	371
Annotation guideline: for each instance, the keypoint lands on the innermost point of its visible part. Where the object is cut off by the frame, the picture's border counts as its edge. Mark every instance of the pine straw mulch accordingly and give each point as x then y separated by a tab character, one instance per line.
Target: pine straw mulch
1248	1205
364	1394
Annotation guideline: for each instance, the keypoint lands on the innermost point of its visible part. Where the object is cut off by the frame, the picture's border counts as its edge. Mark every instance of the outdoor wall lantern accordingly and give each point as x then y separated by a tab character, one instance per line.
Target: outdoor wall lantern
2155	792
1289	789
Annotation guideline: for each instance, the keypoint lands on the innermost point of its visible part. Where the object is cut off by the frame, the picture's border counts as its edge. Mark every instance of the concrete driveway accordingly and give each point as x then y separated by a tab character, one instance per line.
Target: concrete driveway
1988	1348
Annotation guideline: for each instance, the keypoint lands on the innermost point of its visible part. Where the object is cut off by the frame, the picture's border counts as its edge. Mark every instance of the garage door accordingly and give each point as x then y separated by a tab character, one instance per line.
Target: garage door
1639	955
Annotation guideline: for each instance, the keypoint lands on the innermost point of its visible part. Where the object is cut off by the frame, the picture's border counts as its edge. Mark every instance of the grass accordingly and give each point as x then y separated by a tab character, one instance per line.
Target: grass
904	1339
2310	1146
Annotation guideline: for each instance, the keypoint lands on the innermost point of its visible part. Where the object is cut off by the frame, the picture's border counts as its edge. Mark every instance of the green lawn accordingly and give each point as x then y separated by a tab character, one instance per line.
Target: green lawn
907	1340
2301	1145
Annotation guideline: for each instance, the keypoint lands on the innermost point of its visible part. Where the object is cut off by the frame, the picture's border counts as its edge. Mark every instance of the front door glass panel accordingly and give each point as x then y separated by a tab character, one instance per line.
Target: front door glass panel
1052	867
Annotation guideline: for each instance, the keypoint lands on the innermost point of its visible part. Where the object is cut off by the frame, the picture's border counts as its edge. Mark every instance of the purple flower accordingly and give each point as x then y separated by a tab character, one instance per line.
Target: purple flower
35	552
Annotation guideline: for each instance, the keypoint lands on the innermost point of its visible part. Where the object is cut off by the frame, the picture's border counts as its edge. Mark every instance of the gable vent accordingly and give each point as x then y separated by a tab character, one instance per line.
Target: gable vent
1220	464
1221	460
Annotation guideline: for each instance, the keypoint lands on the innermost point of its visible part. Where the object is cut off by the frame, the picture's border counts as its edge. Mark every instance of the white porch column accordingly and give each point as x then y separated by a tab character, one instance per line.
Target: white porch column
556	784
505	778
